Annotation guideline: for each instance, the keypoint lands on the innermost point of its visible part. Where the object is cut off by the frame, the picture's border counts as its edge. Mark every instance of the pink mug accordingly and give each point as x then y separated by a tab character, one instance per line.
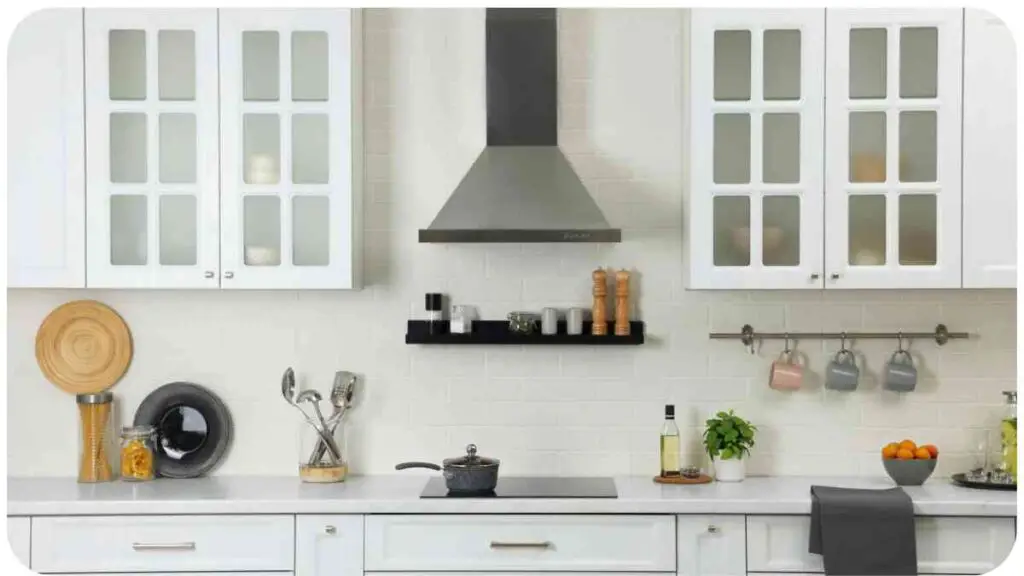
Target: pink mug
786	373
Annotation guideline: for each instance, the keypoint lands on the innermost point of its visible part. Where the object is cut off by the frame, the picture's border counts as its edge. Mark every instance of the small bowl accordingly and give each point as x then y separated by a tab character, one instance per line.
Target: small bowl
909	472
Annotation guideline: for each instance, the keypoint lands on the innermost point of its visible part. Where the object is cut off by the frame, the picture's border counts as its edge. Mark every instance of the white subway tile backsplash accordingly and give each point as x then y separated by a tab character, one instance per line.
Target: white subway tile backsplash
541	410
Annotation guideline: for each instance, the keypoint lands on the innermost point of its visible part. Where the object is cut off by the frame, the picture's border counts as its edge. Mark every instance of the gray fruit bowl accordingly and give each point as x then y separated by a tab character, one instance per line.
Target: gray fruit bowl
909	472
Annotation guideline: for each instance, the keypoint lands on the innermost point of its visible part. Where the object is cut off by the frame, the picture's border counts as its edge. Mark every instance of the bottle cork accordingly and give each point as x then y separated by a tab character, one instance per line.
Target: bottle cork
622	303
600	312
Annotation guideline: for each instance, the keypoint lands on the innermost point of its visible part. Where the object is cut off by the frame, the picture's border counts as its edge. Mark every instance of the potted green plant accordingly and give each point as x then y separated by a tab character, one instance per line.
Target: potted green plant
727	439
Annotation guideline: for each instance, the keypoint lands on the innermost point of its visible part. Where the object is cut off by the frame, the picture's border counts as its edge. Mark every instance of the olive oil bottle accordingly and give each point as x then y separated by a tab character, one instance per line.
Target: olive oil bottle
670	443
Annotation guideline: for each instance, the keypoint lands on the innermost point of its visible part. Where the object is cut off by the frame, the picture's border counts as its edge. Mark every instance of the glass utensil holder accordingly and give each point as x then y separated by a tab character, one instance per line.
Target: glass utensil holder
315	463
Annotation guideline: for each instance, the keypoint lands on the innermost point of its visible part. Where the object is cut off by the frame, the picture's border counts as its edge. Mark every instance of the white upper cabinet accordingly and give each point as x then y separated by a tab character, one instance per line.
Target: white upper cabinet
46	152
151	151
990	153
893	147
829	155
756	138
289	148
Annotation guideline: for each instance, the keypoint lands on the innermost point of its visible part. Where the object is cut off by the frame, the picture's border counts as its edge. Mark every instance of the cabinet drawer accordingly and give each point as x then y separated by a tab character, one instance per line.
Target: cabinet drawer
520	543
163	544
945	545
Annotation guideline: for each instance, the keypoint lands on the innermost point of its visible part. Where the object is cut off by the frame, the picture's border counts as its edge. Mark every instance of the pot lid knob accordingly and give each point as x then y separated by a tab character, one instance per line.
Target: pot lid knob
471	451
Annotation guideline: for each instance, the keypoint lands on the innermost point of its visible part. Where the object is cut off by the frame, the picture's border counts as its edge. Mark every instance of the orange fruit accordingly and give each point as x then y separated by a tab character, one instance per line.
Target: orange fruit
923	454
931	450
890	450
908	445
905	454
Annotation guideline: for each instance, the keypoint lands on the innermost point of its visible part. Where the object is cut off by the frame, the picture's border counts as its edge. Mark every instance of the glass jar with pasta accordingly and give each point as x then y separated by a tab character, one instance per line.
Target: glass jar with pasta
137	453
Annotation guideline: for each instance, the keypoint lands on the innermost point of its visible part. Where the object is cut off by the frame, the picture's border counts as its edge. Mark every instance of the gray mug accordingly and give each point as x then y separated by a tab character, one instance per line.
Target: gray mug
900	374
842	372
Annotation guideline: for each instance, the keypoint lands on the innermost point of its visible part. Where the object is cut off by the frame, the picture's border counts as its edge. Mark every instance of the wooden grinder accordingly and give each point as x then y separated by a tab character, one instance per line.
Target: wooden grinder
599	327
622	303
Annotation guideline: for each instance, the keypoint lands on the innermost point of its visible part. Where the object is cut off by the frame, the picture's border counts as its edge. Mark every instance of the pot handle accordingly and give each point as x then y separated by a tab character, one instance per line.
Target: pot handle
429	465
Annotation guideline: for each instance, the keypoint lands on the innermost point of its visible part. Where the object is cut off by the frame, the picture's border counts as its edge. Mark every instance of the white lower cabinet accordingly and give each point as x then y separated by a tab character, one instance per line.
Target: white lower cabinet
945	545
711	545
549	543
19	536
127	544
329	545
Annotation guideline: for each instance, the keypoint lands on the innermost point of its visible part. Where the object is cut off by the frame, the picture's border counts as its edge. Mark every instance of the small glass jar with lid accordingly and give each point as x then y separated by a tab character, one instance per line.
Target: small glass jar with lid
137	452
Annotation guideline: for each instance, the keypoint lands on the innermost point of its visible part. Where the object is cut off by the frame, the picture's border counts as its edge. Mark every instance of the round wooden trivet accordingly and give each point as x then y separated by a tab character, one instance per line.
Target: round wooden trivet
83	347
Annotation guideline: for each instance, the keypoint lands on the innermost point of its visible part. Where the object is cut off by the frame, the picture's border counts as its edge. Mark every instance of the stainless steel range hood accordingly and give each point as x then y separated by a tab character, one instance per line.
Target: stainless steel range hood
521	188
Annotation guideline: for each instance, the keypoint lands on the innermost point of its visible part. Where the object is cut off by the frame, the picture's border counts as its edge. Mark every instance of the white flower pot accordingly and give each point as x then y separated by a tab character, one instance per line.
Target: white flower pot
731	470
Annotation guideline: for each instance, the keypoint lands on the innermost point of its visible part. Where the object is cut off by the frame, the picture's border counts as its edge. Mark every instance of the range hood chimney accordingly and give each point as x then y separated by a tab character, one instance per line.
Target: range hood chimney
521	188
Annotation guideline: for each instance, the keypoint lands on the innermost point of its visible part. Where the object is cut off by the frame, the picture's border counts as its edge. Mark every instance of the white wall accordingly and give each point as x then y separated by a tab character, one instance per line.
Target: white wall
541	410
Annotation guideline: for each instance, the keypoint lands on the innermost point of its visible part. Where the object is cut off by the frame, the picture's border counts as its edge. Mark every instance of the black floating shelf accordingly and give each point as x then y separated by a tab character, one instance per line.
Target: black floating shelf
497	332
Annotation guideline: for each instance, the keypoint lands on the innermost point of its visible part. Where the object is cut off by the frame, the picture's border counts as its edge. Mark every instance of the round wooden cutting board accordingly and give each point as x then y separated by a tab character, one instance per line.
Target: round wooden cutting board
83	347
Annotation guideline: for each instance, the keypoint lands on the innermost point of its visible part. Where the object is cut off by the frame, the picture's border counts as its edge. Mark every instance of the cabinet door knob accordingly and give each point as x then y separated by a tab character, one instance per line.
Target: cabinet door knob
209	274
330	530
815	276
834	276
229	275
712	529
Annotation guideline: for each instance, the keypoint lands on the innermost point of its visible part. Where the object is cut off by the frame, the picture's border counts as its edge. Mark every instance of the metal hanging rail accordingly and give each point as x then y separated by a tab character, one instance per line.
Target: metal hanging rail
747	335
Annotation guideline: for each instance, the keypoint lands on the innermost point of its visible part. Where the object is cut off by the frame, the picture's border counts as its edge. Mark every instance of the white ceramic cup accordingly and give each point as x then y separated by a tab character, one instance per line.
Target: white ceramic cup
574	321
549	321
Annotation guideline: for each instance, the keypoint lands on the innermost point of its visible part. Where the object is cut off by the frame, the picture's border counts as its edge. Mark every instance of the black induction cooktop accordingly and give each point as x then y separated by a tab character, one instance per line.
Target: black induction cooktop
533	487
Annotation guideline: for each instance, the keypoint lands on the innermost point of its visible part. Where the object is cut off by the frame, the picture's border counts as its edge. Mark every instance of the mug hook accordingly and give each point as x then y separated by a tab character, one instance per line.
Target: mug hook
899	342
786	349
842	343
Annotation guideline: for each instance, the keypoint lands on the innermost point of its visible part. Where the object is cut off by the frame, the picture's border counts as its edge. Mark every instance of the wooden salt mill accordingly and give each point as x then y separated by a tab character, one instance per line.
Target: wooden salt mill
622	303
599	327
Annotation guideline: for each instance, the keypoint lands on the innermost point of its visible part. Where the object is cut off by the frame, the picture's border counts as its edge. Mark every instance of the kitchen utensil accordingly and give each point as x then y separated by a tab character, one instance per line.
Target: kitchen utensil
288	386
842	372
469	474
97	435
786	372
599	313
83	347
522	322
549	321
574	321
193	427
909	472
137	453
313	397
342	392
700	479
900	374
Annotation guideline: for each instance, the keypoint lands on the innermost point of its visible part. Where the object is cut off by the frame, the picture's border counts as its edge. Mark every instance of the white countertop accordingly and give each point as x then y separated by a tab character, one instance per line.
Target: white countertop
400	494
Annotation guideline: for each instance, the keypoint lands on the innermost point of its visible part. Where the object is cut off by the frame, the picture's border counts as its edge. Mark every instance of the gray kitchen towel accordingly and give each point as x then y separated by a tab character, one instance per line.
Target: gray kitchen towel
863	532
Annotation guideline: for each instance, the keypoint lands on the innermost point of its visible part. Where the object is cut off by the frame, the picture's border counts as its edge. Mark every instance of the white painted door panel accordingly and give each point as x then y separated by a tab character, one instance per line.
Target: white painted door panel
19	535
893	142
756	141
572	543
328	545
711	545
945	545
290	147
90	544
990	152
46	152
151	148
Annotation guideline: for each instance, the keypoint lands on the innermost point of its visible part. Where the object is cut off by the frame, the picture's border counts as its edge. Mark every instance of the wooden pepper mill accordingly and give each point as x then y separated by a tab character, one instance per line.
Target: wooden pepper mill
622	303
599	327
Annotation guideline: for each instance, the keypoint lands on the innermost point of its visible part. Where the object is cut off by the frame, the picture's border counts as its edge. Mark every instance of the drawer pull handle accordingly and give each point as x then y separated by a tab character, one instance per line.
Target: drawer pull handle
501	545
172	546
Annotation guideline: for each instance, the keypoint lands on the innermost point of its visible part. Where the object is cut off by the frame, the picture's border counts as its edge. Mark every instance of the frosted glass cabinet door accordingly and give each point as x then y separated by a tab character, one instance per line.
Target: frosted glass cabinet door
46	152
892	123
757	113
990	152
289	147
151	148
